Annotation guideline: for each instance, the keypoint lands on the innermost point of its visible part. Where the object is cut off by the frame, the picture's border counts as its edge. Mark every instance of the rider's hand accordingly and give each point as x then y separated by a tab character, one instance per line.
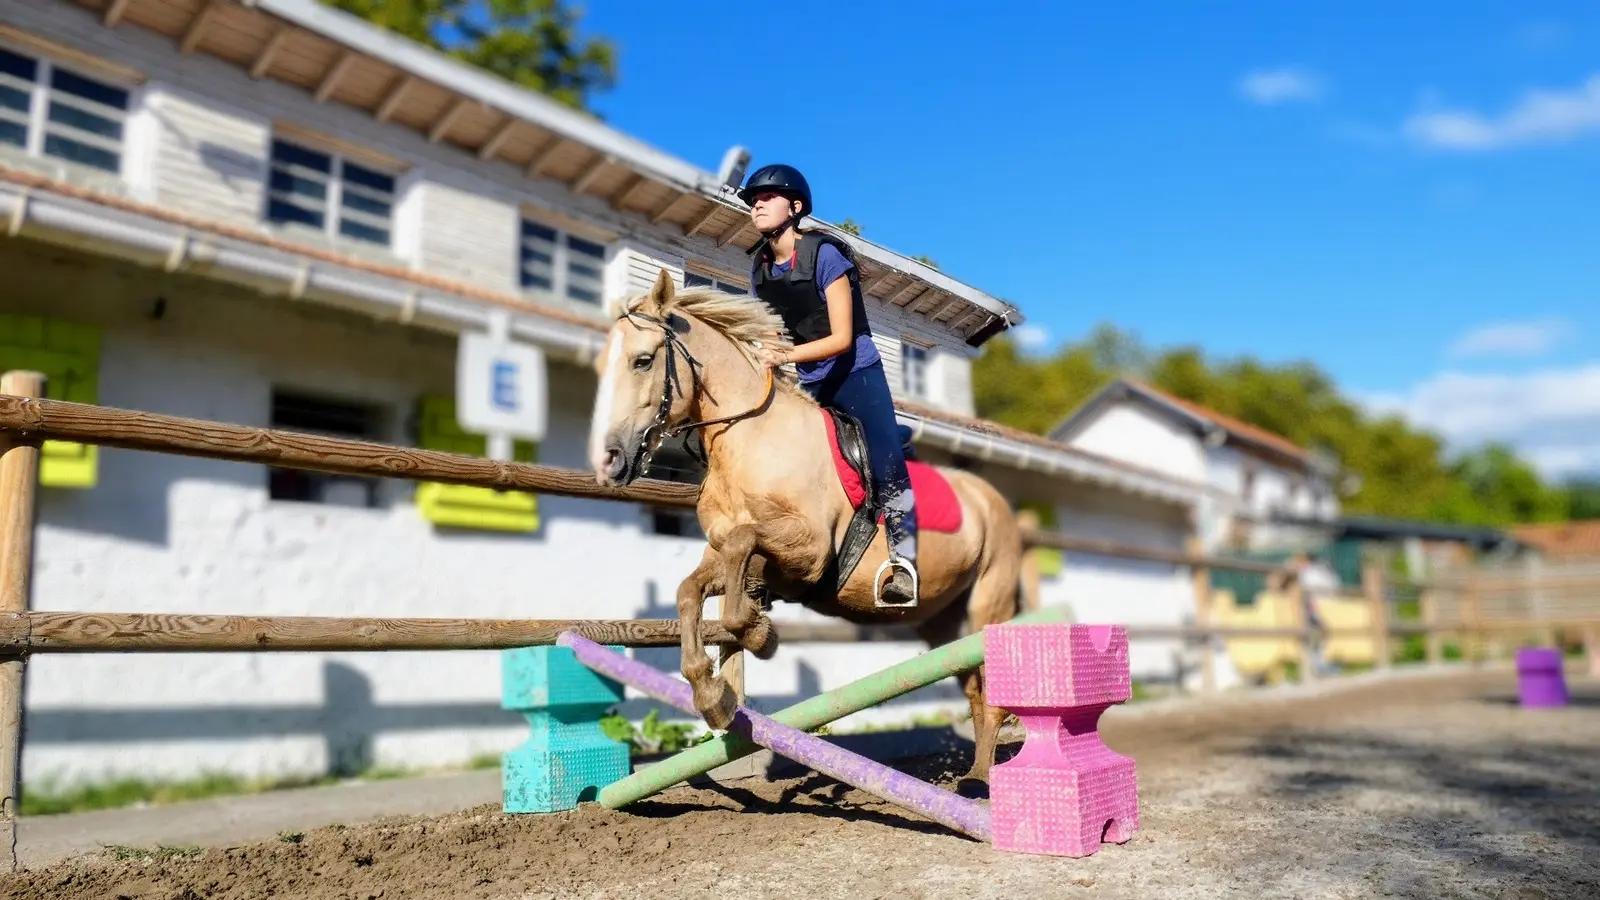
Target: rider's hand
771	358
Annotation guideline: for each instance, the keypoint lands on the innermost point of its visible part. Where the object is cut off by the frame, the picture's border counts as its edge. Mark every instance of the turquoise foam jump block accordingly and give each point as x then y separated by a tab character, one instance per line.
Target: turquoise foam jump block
567	758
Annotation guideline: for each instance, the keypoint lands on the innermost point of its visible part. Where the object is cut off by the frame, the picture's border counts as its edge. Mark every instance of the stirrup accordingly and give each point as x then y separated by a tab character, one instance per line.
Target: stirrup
878	583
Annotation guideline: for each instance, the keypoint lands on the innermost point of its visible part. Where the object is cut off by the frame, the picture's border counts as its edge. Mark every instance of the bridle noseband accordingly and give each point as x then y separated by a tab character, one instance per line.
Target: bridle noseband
658	430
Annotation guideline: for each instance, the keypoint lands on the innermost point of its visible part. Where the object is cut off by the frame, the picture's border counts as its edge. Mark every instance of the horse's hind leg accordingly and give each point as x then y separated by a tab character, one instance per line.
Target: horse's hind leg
740	613
713	697
994	599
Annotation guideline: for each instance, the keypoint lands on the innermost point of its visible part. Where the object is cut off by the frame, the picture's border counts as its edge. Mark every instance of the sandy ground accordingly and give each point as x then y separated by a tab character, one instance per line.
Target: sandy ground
1411	787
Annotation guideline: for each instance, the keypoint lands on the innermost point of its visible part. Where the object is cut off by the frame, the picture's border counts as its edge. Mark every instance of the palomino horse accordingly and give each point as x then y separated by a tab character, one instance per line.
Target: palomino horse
773	504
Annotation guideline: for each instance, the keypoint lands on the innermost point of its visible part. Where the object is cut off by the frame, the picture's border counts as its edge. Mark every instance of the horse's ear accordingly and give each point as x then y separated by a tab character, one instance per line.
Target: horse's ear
661	293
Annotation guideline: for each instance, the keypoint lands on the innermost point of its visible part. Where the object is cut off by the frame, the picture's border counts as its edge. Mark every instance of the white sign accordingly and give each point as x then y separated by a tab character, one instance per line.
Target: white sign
500	390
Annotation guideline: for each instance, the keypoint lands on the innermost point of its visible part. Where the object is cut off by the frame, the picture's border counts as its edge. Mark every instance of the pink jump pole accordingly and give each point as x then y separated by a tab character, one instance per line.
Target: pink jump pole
969	817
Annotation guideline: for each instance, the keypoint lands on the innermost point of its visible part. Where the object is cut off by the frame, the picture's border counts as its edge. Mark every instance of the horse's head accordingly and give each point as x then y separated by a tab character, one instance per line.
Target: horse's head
645	385
662	351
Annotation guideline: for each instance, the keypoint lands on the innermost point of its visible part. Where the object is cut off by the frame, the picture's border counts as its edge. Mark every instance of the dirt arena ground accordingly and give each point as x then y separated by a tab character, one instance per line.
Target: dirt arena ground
1411	787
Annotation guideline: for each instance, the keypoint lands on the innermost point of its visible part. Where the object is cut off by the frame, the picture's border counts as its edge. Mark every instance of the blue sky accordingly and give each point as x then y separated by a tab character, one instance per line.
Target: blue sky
1409	199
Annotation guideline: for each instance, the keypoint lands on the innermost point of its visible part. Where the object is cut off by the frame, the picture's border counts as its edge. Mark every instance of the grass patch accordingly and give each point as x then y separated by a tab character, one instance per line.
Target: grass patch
47	798
163	851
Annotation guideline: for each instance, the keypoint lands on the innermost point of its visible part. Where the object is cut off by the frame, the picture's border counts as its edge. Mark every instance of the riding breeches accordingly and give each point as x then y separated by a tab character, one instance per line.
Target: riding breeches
864	394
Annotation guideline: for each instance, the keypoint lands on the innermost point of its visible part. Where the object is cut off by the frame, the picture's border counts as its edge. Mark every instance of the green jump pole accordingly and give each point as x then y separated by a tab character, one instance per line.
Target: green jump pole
952	659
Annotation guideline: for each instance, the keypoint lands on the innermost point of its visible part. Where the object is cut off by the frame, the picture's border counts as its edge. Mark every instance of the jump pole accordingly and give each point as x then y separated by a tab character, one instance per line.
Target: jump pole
949	809
872	690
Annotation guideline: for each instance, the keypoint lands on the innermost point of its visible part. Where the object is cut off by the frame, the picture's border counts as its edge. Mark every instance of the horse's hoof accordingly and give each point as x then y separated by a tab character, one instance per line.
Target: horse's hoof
718	708
761	639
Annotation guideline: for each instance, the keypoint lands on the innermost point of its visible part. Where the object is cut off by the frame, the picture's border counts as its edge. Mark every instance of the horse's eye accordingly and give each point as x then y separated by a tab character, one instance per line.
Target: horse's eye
642	361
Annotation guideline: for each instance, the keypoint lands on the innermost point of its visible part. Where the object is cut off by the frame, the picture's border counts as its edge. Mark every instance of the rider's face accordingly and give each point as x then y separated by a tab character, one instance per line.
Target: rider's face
770	210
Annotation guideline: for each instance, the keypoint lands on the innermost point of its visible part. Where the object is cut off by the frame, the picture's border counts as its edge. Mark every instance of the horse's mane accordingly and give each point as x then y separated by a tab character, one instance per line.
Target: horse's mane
741	318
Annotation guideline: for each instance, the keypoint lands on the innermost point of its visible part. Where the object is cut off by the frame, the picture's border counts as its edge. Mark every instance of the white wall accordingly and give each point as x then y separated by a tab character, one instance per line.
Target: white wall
1134	434
173	534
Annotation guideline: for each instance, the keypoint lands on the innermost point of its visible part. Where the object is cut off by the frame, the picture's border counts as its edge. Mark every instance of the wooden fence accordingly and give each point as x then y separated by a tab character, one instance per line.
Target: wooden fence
26	421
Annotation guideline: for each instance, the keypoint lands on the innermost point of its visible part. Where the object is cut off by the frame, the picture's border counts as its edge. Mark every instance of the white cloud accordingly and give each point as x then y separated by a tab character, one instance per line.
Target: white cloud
1530	338
1539	116
1030	337
1551	417
1269	87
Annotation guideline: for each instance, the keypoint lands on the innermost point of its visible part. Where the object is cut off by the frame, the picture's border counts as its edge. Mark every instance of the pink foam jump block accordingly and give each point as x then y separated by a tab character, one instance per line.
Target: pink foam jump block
1065	792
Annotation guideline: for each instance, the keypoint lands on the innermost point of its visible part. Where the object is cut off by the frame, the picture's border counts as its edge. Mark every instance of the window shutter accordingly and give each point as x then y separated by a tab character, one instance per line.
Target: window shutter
68	354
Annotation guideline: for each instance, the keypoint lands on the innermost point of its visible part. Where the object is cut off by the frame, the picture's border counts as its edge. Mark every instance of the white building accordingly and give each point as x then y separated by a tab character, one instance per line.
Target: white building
273	214
1258	482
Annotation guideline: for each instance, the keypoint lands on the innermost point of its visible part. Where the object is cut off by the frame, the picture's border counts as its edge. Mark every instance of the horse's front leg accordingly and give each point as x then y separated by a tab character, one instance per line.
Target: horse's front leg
713	697
741	615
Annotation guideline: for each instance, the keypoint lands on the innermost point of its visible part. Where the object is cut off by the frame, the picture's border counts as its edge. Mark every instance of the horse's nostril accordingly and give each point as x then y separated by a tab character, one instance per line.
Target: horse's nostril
613	461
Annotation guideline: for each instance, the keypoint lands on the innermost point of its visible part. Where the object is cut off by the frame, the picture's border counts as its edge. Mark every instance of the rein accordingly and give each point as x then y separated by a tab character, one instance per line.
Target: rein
658	430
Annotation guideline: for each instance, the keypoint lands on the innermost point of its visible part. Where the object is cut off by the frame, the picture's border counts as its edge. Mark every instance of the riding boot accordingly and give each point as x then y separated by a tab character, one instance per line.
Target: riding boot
900	530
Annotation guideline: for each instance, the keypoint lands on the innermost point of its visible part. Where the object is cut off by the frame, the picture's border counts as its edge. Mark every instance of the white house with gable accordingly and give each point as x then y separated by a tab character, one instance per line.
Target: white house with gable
1257	480
273	214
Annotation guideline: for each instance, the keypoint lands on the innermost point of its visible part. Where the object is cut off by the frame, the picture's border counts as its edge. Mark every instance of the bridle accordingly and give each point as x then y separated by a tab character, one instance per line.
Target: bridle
658	430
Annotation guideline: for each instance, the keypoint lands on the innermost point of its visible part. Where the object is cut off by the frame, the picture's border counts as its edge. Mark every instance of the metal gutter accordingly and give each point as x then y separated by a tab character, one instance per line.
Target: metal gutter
171	247
1029	458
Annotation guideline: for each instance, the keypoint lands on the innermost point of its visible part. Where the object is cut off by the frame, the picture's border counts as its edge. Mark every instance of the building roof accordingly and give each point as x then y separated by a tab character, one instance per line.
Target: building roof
1203	420
336	57
1573	539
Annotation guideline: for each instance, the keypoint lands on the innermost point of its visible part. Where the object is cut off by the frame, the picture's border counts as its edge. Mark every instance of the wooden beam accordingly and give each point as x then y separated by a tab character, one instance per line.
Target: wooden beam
269	52
197	27
114	12
80	632
931	293
492	146
396	95
619	200
131	430
336	73
589	174
872	286
442	127
711	210
19	486
545	156
661	213
949	306
726	238
902	292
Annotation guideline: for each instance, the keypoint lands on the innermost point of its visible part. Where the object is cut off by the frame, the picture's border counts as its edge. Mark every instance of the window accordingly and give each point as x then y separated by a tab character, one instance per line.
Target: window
292	411
329	193
914	368
554	262
50	111
694	279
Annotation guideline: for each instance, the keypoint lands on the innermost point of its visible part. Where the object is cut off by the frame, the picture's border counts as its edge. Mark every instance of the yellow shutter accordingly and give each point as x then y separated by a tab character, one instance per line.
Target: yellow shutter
1049	557
68	354
462	506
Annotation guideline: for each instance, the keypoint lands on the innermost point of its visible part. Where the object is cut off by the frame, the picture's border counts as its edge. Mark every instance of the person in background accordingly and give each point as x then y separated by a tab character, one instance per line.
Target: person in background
1318	582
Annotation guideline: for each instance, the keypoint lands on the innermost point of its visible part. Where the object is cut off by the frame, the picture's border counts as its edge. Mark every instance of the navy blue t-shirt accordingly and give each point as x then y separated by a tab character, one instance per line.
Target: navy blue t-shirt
831	265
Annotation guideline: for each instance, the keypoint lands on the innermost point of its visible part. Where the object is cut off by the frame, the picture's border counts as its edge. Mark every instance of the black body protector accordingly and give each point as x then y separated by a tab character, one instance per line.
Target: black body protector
795	297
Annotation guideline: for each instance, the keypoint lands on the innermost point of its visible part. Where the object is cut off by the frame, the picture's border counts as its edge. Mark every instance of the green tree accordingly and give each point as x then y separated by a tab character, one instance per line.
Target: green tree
533	43
1583	497
849	226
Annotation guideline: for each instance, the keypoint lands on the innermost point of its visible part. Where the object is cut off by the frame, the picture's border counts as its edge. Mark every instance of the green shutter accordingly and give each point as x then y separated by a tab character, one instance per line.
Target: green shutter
68	354
463	506
1049	557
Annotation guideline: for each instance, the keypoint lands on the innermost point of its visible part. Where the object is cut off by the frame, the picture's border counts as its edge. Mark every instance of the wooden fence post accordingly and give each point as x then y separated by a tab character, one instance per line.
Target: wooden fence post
1297	600
1372	584
19	468
1433	640
1591	649
1200	575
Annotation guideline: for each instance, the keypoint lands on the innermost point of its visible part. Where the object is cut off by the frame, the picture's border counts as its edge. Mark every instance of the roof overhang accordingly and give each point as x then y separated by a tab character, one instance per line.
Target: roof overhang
336	57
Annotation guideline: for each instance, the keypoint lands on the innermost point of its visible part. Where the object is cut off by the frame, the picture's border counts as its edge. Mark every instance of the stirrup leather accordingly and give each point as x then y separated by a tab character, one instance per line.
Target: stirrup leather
878	583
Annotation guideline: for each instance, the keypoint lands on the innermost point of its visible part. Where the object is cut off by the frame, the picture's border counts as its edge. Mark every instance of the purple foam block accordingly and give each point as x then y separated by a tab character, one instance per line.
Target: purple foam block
949	809
1065	791
1540	680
